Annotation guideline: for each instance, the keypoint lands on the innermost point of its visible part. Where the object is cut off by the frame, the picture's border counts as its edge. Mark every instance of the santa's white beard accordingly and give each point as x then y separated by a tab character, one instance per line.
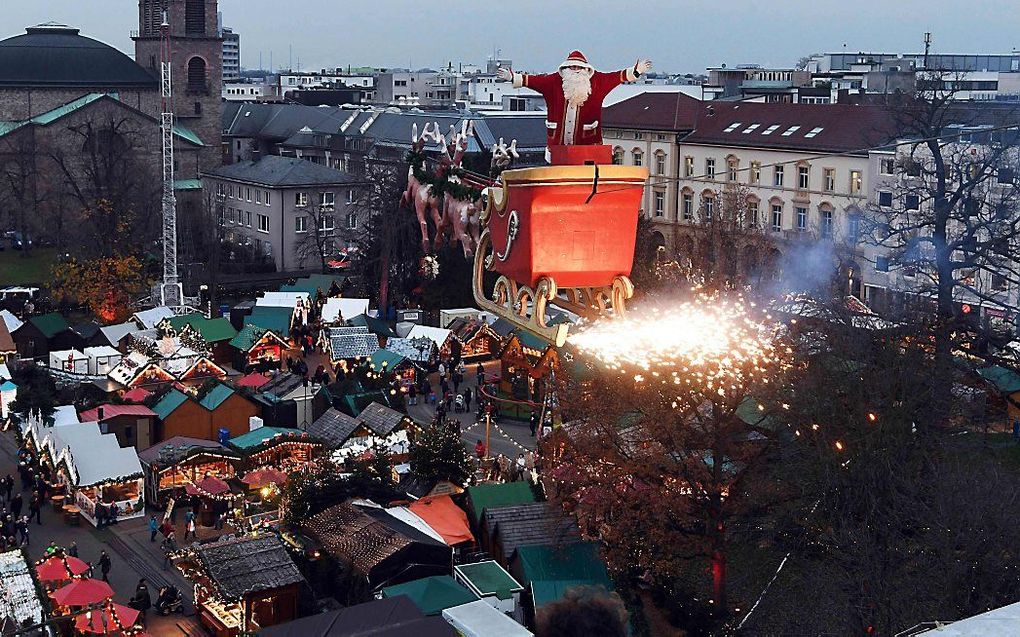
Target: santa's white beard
576	86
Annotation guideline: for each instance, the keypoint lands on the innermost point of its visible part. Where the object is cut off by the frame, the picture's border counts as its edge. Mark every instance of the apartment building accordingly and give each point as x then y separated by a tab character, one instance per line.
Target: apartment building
231	54
282	206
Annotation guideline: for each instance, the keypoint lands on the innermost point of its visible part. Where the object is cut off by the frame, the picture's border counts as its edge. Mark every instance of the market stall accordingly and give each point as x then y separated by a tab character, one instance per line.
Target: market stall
243	584
277	447
477	339
175	463
21	597
211	497
257	349
525	362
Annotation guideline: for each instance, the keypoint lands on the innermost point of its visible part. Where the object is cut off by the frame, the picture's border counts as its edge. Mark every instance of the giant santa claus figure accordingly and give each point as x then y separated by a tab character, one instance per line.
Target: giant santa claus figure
574	96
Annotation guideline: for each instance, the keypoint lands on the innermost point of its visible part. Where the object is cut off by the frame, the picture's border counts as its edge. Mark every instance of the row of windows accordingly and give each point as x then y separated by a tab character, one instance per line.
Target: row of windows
324	199
326	223
775	220
244	193
802	173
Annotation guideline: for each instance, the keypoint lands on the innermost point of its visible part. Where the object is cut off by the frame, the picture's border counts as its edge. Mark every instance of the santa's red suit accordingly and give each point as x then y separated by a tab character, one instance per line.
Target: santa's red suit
567	123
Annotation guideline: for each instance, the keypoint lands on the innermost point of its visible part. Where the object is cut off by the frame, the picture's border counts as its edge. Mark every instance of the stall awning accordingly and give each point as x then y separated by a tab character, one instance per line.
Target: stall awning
448	519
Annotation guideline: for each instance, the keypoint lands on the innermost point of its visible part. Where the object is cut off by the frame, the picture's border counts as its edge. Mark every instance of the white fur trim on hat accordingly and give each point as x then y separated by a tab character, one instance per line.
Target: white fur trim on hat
576	60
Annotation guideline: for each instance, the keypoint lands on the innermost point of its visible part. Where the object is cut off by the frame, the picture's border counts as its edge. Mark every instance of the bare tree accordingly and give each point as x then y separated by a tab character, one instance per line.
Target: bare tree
948	221
20	195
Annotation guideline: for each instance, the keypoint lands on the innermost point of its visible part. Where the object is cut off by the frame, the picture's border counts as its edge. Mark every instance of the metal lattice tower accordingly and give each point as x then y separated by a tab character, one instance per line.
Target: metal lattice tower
171	291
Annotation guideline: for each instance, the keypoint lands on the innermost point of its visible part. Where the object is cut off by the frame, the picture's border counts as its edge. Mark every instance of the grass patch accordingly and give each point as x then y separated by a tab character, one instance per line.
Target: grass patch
34	269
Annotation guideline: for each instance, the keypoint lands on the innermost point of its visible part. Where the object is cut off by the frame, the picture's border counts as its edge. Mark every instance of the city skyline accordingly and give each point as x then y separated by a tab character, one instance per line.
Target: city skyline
536	36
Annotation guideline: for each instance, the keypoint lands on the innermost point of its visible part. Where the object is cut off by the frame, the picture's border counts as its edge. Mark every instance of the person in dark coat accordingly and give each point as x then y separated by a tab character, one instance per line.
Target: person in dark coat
73	549
35	508
141	601
104	566
16	505
467	398
8	487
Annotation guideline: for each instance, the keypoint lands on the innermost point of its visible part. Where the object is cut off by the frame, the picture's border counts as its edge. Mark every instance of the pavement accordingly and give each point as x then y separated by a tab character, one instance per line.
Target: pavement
127	543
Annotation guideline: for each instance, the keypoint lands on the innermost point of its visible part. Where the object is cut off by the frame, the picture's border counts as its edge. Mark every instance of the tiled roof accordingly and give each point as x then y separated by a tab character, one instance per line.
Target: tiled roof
283	172
381	419
531	524
842	128
654	111
345	531
248	565
492	496
282	384
419	350
333	427
352	342
182	447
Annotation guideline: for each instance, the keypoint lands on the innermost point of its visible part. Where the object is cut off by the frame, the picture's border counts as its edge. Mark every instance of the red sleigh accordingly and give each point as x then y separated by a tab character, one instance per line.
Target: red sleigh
562	235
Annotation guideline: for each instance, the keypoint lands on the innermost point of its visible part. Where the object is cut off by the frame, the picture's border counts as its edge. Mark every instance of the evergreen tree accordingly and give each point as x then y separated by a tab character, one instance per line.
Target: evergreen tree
439	454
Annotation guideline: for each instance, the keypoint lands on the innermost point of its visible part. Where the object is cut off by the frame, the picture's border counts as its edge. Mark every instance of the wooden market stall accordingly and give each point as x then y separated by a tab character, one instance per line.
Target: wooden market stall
257	349
242	585
478	341
525	361
175	463
275	447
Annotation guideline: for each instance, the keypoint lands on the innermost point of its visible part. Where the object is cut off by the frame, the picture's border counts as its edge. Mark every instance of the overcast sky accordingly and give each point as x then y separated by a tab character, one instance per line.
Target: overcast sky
678	35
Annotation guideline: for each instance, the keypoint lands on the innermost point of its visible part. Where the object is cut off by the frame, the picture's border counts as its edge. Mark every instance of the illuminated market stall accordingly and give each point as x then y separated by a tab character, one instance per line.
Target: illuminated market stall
277	447
243	584
525	361
175	463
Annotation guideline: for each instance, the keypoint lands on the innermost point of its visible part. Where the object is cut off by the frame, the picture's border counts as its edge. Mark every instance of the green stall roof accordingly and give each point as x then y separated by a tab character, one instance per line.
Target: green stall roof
169	403
551	570
489	578
432	595
493	496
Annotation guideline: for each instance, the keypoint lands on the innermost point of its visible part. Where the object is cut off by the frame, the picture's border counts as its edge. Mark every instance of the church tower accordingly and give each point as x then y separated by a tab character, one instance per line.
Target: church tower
197	65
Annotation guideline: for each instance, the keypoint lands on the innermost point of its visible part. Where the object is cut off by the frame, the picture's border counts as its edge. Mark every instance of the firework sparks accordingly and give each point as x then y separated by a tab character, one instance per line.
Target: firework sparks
711	341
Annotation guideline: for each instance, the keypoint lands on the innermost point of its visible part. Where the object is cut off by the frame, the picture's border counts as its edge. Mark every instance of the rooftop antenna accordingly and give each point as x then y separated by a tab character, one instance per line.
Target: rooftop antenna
927	47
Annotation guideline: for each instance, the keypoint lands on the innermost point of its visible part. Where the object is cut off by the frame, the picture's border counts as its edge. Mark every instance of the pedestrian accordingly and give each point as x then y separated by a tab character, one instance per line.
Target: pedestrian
23	530
16	505
449	400
153	528
100	515
533	424
467	398
73	549
221	520
142	600
412	395
480	449
191	530
480	373
504	468
440	413
520	468
442	370
169	545
35	509
443	386
456	381
104	566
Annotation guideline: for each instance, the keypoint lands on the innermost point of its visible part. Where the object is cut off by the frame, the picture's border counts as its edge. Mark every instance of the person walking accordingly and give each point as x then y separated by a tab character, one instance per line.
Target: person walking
529	464
190	529
456	381
73	549
467	398
480	449
412	395
16	505
533	423
104	566
23	530
153	528
520	468
142	601
169	545
35	508
480	374
8	487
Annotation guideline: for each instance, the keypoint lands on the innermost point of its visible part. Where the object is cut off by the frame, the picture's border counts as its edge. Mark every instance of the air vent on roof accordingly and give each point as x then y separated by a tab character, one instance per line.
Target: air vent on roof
790	131
770	129
750	128
814	131
732	127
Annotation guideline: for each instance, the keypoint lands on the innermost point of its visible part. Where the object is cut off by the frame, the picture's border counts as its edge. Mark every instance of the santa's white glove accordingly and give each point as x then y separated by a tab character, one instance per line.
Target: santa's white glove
504	74
642	66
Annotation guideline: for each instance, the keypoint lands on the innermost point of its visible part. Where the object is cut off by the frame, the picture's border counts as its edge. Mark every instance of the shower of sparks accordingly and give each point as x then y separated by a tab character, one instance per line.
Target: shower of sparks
710	342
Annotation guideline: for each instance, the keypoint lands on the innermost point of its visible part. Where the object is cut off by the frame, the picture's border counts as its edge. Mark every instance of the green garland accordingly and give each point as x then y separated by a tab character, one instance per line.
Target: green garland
441	185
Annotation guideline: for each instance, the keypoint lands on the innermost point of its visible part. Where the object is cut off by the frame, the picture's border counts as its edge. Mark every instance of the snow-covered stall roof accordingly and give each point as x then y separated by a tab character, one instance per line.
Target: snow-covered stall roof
437	335
479	619
1000	622
19	595
281	299
12	322
337	309
113	333
93	456
149	319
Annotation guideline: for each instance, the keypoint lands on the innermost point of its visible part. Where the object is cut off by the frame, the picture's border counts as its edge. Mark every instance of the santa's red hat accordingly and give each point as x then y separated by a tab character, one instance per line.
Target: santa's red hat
576	58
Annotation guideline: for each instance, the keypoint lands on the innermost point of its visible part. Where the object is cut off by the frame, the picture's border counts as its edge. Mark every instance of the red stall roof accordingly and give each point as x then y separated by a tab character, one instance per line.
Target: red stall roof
111	411
448	519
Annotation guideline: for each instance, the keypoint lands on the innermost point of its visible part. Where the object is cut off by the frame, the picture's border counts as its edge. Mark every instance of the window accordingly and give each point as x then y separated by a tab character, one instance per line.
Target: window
660	164
267	197
732	127
660	203
350	195
855	182
887	166
733	165
754	176
688	203
750	129
659	137
688	166
247	194
830	179
639	135
129	434
230	191
911	202
801	218
326	223
882	264
710	167
771	129
912	168
263	223
196	75
618	156
327	199
300	223
827	224
352	221
709	204
752	213
853	227
777	176
247	218
221	217
813	132
885	199
790	131
999	281
194	17
638	157
803	177
777	217
258	196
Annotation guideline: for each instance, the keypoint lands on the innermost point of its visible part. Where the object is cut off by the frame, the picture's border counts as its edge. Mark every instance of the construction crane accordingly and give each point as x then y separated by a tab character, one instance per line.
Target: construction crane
169	291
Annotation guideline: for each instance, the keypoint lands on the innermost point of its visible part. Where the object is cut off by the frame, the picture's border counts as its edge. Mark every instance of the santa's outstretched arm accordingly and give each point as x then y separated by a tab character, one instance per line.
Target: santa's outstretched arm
634	72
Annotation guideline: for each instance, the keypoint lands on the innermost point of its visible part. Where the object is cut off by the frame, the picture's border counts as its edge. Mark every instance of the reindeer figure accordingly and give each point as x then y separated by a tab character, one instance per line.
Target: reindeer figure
503	157
457	212
420	196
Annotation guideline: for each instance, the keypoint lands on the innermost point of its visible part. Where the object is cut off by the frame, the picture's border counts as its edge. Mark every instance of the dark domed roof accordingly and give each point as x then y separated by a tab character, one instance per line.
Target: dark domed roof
55	55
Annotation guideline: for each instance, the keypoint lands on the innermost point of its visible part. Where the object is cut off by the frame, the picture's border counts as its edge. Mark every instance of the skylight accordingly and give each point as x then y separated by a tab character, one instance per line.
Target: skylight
790	131
770	129
814	131
750	128
732	127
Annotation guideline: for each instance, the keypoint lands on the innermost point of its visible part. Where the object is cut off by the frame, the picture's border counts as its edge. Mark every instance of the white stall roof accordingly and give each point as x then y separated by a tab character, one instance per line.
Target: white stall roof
1000	622
281	299
336	309
94	456
65	415
151	318
12	322
410	518
479	619
113	333
437	335
102	351
5	372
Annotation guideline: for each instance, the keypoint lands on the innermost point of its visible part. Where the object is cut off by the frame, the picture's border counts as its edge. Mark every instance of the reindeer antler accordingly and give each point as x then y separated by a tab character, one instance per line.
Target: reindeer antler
513	149
414	133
